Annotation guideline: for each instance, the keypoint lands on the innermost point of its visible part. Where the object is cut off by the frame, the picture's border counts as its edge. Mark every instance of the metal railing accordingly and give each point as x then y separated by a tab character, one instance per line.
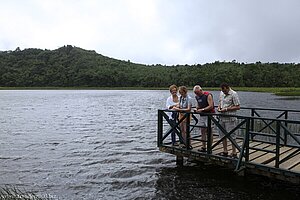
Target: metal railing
281	133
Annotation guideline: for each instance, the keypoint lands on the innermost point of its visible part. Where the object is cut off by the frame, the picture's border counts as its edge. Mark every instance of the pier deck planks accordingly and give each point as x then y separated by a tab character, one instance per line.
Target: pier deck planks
256	156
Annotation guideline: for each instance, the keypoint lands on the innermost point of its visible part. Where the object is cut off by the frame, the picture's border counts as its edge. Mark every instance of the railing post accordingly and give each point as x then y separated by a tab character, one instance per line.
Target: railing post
209	134
187	139
247	134
252	122
245	148
179	160
277	144
285	123
159	128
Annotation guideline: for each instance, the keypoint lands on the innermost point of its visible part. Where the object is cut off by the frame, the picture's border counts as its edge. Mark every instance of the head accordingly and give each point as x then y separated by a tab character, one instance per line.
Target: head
173	89
225	88
183	91
198	90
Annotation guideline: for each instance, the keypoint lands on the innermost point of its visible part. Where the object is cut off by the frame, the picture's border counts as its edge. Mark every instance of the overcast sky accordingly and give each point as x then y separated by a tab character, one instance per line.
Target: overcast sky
158	31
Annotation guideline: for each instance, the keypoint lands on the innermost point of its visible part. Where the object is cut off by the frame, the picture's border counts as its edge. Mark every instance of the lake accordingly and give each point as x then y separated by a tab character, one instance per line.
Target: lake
101	144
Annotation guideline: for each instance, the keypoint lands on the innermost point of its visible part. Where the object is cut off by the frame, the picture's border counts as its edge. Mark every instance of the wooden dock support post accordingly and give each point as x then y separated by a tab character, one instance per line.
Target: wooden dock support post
179	160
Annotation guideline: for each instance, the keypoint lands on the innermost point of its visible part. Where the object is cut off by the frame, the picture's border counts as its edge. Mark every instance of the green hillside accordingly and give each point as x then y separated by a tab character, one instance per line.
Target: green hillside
71	66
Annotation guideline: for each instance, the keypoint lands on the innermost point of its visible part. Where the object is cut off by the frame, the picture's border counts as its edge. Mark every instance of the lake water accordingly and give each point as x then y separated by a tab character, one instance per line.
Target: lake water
95	144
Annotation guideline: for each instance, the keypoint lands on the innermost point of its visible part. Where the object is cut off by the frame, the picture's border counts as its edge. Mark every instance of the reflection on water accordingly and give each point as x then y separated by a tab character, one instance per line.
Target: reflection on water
102	145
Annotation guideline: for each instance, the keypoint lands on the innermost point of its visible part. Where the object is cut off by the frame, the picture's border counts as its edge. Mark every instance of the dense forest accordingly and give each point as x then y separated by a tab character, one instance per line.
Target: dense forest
70	66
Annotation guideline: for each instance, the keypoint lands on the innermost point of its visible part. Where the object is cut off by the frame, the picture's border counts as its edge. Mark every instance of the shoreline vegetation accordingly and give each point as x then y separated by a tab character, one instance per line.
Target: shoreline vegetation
284	91
74	68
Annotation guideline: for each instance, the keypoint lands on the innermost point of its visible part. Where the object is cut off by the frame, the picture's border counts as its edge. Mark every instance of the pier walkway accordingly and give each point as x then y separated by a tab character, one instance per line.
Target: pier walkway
268	146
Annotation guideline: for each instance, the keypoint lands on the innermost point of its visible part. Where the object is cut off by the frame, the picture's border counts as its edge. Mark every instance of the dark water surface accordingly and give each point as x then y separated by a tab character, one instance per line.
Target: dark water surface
91	144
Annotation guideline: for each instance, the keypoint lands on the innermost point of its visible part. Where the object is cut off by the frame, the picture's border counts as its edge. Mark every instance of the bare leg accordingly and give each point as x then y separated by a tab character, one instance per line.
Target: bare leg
203	136
233	149
225	146
183	131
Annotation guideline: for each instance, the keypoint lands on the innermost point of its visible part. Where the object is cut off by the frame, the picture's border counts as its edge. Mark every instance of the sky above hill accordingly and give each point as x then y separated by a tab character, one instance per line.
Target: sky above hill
166	32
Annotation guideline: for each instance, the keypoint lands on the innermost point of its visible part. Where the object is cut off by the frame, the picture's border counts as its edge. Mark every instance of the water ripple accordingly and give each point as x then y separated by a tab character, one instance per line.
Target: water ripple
83	145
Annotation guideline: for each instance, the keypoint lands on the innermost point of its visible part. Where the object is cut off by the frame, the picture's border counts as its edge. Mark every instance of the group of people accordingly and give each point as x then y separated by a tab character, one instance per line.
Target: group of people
228	104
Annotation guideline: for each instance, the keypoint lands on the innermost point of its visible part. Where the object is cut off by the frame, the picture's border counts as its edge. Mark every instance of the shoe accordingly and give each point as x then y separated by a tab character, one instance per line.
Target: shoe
202	149
234	155
184	147
224	154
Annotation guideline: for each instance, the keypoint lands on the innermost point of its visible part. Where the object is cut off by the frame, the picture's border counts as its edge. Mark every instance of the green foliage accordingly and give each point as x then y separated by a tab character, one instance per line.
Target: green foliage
70	66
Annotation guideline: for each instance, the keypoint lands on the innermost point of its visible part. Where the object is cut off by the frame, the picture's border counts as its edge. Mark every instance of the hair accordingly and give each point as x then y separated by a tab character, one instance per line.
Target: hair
172	87
197	87
183	89
224	85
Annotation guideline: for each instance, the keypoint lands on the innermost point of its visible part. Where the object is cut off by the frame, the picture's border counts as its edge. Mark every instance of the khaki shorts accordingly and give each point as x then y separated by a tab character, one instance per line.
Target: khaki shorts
203	121
228	123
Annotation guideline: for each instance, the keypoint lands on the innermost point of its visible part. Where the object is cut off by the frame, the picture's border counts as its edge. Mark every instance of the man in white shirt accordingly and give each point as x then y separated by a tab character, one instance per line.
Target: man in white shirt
229	103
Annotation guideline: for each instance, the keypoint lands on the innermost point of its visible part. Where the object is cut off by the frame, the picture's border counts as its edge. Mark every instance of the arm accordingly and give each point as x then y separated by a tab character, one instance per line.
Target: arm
220	102
236	103
183	109
188	109
231	108
168	103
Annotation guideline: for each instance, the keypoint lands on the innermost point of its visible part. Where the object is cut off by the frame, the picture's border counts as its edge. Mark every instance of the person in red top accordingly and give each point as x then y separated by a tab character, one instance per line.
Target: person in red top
205	104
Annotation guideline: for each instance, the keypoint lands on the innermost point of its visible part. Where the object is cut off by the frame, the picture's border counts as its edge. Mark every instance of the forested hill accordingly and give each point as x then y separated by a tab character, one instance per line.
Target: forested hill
72	66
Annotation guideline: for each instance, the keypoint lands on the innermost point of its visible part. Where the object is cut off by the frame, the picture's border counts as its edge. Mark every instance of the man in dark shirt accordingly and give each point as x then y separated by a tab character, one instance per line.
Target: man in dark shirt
205	104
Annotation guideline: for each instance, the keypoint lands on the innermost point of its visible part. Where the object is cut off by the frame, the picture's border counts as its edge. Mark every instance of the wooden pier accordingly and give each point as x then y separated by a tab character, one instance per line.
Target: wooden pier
266	146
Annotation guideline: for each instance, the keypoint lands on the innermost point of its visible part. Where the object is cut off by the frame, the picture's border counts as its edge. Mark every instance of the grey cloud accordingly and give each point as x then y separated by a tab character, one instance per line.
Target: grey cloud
238	30
180	32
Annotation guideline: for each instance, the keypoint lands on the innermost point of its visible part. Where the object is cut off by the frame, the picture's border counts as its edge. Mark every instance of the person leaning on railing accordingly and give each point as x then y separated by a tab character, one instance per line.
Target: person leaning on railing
229	103
205	104
171	103
185	105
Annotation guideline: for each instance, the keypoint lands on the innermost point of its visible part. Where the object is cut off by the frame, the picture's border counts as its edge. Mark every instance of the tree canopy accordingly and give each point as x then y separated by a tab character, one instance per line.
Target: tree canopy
71	66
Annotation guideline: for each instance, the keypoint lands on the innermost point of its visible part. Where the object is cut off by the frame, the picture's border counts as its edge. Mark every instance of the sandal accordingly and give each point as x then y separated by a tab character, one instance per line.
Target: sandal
224	154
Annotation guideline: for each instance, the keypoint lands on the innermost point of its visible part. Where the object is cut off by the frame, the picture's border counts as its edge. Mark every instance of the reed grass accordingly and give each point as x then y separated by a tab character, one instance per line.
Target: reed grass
9	192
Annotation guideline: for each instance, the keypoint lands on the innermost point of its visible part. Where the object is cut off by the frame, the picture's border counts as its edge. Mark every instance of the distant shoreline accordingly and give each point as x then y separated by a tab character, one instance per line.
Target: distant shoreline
281	91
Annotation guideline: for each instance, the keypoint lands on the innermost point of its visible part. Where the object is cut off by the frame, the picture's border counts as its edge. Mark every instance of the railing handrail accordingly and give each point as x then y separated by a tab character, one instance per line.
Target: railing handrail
281	127
237	116
271	109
